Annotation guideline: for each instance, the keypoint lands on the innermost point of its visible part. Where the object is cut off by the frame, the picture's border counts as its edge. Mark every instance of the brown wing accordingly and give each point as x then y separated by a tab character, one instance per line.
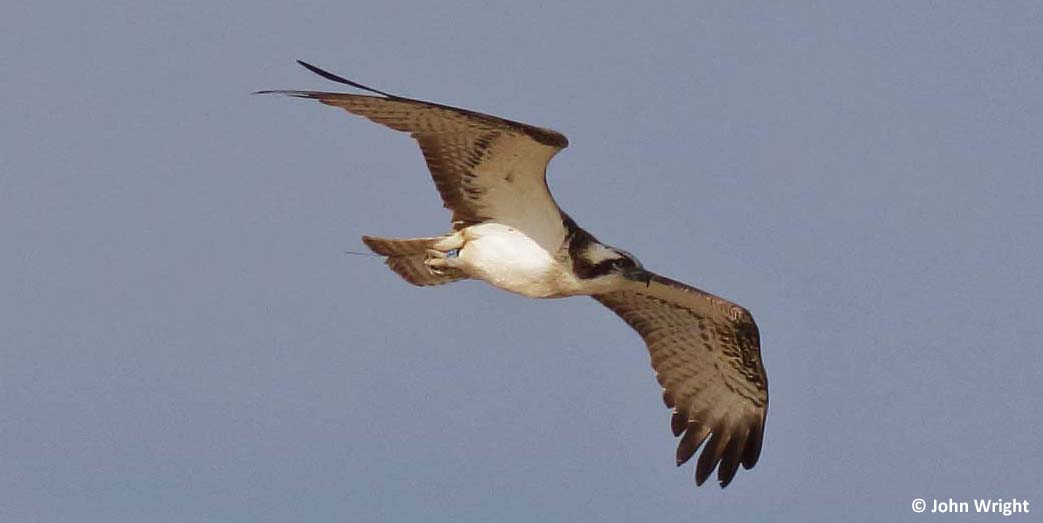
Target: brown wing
485	168
706	354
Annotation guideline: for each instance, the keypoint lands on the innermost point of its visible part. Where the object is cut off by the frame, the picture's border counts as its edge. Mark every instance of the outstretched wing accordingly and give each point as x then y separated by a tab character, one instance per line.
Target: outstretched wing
485	168
706	354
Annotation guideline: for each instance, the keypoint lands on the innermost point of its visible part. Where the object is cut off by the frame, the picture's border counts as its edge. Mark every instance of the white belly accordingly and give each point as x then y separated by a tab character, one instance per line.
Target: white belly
510	260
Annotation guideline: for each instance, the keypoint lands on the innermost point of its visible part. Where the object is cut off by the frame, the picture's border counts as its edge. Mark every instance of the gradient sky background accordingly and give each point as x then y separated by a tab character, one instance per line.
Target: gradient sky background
183	339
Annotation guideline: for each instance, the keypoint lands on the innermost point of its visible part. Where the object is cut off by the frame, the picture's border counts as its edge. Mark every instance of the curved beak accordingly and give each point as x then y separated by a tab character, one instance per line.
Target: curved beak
641	275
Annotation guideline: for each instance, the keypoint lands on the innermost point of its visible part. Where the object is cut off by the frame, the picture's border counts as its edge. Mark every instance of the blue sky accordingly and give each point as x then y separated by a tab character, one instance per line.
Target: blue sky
183	338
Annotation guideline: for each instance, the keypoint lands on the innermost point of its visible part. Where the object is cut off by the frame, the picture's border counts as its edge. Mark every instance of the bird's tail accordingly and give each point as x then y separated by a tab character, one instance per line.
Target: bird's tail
406	257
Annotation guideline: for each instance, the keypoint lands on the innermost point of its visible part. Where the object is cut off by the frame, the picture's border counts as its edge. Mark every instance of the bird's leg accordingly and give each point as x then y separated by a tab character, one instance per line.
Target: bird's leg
454	241
440	263
445	254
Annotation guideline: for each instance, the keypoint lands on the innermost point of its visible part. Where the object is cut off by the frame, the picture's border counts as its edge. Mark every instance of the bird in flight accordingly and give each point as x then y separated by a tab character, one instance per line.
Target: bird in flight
507	230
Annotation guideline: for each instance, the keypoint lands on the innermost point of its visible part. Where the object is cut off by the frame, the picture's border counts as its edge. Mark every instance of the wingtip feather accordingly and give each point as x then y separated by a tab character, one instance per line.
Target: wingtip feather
340	79
730	460
710	457
295	94
752	452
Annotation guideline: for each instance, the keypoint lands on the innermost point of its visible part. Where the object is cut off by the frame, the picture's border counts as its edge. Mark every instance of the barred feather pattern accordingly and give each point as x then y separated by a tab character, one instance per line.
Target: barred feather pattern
706	355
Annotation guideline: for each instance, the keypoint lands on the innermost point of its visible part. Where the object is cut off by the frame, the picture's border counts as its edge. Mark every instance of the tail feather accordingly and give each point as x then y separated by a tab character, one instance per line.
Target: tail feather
397	247
406	258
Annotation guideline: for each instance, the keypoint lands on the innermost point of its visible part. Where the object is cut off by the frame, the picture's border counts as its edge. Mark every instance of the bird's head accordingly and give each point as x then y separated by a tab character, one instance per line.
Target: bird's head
606	263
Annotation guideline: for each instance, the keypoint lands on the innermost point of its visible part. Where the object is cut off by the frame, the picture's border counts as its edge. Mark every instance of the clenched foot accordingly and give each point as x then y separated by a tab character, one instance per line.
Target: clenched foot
442	262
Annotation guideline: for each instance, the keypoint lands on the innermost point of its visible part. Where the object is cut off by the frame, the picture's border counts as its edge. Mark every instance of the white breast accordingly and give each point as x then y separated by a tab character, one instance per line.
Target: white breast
510	260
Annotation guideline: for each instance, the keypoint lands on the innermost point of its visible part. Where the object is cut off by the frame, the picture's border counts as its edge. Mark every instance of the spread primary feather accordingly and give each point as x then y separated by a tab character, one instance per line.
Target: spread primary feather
507	230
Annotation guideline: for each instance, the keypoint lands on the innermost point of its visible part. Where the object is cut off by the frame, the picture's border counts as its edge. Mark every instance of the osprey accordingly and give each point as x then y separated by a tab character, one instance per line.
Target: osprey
507	230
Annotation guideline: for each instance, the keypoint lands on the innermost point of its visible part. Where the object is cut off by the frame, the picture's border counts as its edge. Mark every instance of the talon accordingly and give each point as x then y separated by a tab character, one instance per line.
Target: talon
436	263
439	262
